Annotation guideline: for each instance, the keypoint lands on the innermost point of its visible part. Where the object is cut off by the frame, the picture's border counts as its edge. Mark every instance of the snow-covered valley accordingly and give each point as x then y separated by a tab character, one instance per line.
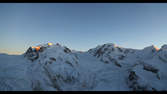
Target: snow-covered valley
106	67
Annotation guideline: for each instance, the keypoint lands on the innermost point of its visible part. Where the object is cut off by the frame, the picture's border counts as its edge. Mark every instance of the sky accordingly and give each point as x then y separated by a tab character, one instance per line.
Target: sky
81	26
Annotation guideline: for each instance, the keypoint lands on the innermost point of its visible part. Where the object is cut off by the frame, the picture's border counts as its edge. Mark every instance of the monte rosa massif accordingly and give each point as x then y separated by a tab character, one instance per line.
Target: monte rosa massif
107	67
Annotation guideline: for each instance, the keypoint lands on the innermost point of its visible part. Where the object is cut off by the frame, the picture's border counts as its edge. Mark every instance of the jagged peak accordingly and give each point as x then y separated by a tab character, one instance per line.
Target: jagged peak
108	45
111	44
35	52
49	44
164	46
151	47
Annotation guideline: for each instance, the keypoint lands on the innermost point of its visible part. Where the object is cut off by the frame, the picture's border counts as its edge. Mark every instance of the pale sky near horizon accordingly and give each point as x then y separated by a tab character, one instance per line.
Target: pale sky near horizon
82	26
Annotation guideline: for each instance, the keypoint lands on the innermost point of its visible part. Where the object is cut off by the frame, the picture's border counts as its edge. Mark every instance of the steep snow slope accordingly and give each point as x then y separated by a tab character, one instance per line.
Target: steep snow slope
106	67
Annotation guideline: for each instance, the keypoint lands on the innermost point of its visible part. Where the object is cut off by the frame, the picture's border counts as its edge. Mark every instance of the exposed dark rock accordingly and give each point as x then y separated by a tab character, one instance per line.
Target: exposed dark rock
154	89
115	62
42	49
67	50
135	85
121	57
105	49
126	51
28	51
100	51
49	62
52	58
132	76
106	62
150	68
68	62
112	49
133	81
120	49
111	59
31	54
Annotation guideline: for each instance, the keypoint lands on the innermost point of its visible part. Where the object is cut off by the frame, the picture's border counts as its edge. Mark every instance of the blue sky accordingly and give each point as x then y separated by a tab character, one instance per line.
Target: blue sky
82	26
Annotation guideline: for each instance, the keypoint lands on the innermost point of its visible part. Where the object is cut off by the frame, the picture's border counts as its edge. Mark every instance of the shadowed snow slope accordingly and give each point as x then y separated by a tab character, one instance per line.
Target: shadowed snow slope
106	67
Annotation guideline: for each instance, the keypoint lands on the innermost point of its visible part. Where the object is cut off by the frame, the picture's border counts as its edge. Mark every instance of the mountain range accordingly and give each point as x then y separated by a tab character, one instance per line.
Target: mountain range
107	67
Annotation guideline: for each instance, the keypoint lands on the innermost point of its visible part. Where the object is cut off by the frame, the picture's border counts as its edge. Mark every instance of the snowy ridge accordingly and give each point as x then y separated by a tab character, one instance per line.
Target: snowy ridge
106	67
144	68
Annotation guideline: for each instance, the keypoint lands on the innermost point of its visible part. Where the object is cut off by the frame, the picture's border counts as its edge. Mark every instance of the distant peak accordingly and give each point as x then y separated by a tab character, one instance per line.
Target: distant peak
111	44
164	46
152	47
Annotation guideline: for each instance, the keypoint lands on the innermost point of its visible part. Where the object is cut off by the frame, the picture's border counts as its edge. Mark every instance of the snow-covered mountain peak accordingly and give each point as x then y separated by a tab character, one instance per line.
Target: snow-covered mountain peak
111	44
148	52
107	45
109	48
152	47
34	52
164	46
